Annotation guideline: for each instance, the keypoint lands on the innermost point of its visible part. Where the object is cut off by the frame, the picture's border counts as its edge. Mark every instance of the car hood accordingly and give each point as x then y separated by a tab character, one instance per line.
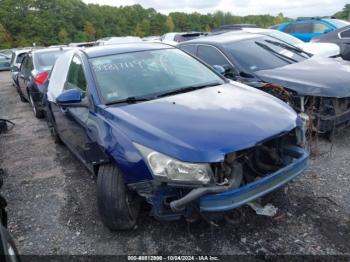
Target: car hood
321	49
317	76
206	124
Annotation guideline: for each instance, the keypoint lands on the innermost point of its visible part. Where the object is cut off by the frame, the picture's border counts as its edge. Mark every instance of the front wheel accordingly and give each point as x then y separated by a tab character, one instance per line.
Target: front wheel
118	207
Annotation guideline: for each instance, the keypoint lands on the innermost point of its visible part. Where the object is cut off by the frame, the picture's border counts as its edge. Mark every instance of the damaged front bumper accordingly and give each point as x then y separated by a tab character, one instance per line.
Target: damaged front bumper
171	202
235	198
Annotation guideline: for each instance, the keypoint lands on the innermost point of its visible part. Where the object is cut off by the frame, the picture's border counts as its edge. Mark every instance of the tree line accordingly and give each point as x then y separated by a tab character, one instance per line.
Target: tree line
24	22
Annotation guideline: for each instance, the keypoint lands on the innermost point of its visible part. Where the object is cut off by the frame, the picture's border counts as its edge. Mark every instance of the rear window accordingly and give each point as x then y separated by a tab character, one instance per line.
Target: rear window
45	60
299	28
285	37
251	56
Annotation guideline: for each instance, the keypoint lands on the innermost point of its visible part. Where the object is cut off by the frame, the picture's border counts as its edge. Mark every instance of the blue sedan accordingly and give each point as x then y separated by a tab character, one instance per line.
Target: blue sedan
155	123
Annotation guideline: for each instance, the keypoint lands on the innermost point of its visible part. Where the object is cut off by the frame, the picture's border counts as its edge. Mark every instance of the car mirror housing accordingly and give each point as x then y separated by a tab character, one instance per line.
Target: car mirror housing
14	69
219	69
71	98
226	71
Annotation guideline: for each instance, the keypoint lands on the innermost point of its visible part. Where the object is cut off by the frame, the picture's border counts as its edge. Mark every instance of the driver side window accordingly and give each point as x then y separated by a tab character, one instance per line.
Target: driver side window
76	77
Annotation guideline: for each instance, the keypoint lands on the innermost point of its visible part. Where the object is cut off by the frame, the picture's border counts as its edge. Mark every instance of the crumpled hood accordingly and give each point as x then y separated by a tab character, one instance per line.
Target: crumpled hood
206	124
317	76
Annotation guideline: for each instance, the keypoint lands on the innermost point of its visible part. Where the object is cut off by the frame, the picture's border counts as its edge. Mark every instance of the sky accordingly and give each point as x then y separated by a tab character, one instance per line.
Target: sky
290	8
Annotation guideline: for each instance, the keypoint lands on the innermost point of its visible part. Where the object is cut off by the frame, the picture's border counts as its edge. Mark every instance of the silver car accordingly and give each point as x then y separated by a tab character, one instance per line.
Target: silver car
16	61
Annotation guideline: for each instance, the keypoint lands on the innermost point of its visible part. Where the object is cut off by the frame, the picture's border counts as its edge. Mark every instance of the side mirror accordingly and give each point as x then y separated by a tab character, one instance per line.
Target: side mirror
327	31
14	69
71	98
219	69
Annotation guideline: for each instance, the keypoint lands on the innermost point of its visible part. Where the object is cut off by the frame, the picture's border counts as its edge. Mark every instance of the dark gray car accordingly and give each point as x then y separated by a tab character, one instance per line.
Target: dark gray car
314	86
341	37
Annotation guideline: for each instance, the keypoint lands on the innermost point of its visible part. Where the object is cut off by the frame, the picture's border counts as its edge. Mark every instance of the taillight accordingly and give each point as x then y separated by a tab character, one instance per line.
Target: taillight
41	78
314	40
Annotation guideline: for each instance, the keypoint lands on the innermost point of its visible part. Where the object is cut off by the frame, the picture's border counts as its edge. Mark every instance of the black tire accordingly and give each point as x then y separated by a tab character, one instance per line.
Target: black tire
118	207
23	99
38	113
52	129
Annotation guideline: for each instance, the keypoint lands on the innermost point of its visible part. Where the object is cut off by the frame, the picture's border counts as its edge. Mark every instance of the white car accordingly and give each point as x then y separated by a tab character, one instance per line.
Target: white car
320	49
174	38
118	40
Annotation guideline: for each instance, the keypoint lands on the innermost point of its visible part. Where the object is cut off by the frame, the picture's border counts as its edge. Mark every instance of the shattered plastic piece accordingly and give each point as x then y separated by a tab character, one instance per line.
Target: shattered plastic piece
268	210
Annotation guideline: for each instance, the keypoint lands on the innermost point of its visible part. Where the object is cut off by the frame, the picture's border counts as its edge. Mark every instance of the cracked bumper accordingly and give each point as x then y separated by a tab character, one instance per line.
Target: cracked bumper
235	198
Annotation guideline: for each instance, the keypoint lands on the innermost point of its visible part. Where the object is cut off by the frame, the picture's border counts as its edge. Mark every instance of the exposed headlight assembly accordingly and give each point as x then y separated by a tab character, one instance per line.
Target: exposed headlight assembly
169	169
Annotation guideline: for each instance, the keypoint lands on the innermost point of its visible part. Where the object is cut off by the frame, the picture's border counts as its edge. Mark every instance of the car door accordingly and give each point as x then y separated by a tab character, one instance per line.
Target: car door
22	76
344	43
71	121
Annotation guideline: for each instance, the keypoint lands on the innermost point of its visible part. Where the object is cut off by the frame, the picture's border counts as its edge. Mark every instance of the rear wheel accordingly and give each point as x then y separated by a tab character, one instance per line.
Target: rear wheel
38	113
22	97
118	207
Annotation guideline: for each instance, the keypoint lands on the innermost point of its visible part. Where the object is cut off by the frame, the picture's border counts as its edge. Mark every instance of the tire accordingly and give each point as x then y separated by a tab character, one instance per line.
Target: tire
22	97
118	207
52	128
38	113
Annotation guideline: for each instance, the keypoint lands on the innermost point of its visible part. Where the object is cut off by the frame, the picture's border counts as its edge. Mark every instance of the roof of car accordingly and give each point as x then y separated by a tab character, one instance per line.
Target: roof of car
106	50
50	49
229	37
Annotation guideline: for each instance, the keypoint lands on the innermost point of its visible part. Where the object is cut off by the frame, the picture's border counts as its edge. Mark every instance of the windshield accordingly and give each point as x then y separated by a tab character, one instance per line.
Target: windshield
149	73
261	54
45	60
285	37
338	23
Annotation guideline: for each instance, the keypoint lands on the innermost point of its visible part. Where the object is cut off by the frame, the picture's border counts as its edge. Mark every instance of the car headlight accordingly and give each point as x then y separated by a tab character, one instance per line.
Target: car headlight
170	169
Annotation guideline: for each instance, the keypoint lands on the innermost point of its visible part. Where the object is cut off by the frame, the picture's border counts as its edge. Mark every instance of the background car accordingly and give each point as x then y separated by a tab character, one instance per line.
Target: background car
118	40
174	38
6	52
152	39
16	61
153	122
5	62
321	49
231	27
315	85
32	75
340	37
307	28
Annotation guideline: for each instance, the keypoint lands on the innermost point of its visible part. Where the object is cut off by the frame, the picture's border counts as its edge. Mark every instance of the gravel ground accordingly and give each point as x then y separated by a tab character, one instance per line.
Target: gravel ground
52	203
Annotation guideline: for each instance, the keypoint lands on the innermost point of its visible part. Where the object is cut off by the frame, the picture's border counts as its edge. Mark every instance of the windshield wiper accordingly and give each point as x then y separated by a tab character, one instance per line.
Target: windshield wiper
289	47
130	100
188	89
283	57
